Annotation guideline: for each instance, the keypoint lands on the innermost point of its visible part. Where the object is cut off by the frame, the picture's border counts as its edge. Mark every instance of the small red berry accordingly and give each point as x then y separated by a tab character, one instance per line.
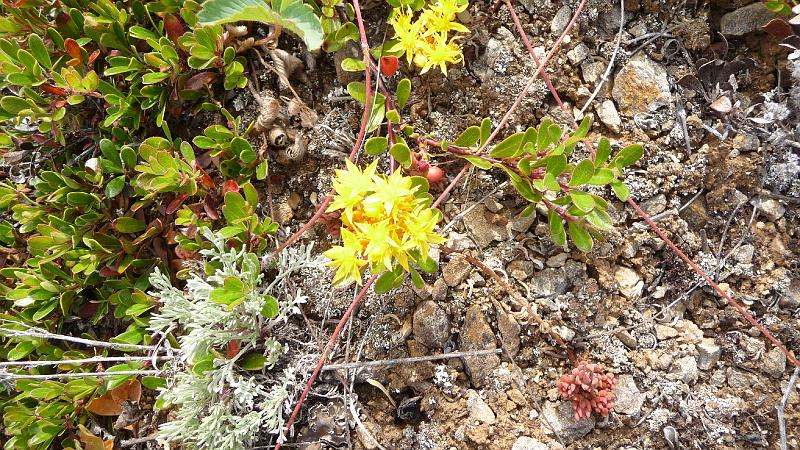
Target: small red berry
389	65
434	174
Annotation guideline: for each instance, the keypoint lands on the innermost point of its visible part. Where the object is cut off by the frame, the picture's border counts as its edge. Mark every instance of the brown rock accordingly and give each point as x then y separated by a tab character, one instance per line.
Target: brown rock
477	335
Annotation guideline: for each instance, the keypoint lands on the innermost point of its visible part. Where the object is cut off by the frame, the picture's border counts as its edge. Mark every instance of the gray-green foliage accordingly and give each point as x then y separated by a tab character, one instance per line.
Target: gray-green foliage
224	401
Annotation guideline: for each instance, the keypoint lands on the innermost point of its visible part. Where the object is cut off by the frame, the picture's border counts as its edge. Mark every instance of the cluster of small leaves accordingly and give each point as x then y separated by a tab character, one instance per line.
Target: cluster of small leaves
225	313
388	224
590	388
537	162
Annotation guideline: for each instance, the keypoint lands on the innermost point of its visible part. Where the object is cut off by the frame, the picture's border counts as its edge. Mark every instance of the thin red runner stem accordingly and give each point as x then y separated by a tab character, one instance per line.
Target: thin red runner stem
328	347
522	94
361	132
647	218
711	283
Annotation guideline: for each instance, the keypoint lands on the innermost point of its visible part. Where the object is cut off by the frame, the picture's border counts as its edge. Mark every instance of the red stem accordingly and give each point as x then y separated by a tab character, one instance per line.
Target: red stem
327	350
361	132
647	218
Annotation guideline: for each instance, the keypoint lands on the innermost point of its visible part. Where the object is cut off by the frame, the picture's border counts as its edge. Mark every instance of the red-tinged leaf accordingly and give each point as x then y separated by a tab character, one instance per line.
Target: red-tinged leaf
160	249
200	81
62	18
175	204
59	103
174	104
108	272
210	207
233	348
205	180
93	56
73	49
229	186
389	65
88	310
110	403
50	89
779	28
173	27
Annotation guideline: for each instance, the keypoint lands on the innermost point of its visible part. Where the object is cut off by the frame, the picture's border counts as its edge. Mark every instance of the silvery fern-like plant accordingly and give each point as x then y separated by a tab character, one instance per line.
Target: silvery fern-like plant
224	383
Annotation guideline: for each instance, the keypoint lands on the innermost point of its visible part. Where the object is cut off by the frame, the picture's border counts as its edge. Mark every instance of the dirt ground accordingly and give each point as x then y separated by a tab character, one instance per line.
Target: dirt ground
692	373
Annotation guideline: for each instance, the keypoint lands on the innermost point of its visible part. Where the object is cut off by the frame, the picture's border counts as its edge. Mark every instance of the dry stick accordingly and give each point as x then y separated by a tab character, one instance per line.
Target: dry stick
84	361
518	100
56	376
361	132
38	333
714	285
512	292
610	67
329	345
781	407
410	360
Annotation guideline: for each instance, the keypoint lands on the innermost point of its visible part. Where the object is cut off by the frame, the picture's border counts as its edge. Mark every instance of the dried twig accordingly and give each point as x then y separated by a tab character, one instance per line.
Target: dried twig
97	359
40	333
55	376
781	407
610	67
410	360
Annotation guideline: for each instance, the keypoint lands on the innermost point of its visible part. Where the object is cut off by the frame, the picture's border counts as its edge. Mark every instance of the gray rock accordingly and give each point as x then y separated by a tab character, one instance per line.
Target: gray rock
456	271
686	367
745	142
627	339
439	290
791	298
629	399
459	242
477	335
640	84
608	21
493	205
688	331
578	54
608	114
527	443
557	260
630	284
562	418
482	230
550	282
708	353
738	379
561	20
522	224
478	409
775	363
744	254
664	332
592	71
746	19
655	204
771	208
477	279
431	326
509	331
520	269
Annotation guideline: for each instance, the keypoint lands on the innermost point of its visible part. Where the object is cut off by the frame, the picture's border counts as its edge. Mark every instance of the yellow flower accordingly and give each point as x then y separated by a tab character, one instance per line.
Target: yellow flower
437	23
345	259
385	222
406	32
441	53
351	186
449	8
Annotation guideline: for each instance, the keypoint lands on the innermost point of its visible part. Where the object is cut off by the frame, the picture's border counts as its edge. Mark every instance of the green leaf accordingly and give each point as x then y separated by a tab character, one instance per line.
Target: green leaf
602	153
508	147
357	90
393	116
153	382
402	154
13	105
620	189
582	200
82	199
39	51
582	173
479	162
253	361
389	280
261	170
557	232
234	209
556	164
128	225
549	181
628	155
601	177
469	137
270	308
231	292
241	148
21	350
376	145
581	237
419	283
427	264
293	15
353	65
486	130
583	128
403	92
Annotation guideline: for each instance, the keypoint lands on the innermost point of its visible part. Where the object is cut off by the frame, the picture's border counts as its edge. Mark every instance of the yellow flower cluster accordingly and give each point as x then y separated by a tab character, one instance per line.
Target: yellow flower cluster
425	40
384	222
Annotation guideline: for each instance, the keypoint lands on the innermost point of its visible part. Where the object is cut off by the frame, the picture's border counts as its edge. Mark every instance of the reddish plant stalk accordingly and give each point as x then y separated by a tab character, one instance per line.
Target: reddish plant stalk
518	100
327	350
649	221
361	132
